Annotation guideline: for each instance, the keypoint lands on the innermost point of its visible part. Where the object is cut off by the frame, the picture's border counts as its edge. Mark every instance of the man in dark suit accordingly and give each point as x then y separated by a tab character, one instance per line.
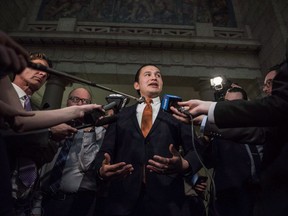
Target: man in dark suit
236	164
269	111
145	169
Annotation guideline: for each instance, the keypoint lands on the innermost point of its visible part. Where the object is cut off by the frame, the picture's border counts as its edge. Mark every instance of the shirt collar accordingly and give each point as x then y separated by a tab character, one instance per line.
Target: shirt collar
156	100
20	92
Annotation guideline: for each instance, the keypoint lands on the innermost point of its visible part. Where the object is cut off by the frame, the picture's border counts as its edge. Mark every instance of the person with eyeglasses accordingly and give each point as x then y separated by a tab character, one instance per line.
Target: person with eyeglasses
76	100
268	82
269	111
64	130
235	155
68	182
14	120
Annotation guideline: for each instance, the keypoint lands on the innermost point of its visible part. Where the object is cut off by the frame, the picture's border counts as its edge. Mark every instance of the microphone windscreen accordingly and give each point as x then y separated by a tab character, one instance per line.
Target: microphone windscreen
141	99
45	106
109	106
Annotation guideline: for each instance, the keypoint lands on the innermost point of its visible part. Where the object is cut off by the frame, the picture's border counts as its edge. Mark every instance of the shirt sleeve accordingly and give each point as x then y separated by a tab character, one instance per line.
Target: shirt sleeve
211	112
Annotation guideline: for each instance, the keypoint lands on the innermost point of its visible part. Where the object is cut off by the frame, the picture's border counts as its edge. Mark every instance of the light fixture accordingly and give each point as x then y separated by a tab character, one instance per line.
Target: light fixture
217	83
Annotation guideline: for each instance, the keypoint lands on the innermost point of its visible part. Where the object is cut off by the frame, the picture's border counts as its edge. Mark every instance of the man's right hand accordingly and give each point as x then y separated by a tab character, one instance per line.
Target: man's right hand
114	171
62	131
194	107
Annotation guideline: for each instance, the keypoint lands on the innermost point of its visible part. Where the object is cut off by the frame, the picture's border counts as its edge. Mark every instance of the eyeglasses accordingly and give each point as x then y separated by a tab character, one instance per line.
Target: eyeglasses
75	99
268	83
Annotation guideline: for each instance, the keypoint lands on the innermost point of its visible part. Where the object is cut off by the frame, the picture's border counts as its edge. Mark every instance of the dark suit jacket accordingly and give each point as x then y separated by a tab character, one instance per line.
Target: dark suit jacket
269	111
124	142
35	145
266	112
244	135
228	155
232	164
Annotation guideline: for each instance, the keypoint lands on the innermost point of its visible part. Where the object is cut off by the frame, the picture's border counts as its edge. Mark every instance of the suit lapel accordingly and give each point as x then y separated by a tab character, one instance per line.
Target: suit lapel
134	118
160	115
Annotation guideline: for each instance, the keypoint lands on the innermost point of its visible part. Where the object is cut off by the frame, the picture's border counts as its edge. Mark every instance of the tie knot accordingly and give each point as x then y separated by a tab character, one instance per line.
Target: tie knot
148	101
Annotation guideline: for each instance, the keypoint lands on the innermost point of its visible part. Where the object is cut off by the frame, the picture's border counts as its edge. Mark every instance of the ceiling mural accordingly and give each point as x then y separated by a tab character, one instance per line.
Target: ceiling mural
172	12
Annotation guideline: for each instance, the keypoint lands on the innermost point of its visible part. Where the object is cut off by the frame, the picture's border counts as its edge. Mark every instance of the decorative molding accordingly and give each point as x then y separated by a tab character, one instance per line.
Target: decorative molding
99	34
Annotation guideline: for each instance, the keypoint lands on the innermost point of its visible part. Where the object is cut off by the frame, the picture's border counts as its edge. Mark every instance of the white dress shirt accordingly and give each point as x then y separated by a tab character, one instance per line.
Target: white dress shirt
156	103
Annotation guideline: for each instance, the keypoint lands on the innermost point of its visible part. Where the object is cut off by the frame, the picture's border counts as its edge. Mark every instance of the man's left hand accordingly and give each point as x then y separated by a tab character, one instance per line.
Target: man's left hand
164	165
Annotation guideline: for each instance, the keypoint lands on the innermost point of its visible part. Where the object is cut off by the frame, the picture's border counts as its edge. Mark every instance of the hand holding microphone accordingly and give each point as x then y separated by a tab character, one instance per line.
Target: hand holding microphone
95	117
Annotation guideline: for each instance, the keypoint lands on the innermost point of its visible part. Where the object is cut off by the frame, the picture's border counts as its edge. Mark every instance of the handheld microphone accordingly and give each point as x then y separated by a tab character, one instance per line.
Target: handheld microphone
119	100
170	100
183	110
100	122
93	118
141	100
106	120
109	105
45	106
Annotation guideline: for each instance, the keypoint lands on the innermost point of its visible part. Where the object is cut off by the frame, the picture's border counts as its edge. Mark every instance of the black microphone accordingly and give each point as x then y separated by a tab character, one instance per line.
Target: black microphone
183	110
99	122
141	99
106	120
170	100
93	116
109	106
120	100
45	106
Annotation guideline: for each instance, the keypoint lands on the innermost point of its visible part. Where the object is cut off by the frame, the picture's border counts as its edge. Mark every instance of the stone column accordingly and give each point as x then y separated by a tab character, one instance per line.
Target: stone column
55	86
53	94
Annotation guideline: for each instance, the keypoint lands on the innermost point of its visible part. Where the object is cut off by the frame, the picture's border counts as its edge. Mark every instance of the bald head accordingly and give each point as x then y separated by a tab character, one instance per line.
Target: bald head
79	96
268	82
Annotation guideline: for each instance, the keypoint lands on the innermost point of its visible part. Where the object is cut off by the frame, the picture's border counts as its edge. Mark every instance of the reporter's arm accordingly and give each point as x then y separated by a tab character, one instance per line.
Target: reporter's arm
49	118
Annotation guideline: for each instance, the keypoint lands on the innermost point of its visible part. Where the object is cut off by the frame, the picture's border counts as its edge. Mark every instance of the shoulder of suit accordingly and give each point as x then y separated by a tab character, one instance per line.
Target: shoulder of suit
127	110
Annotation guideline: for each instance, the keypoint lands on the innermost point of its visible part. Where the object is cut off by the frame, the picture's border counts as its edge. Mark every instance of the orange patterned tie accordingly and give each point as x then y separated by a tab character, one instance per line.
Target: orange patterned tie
146	123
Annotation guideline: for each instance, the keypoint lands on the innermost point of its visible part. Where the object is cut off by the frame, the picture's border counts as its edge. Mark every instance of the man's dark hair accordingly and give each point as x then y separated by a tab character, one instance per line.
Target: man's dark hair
242	91
136	78
42	56
274	68
38	55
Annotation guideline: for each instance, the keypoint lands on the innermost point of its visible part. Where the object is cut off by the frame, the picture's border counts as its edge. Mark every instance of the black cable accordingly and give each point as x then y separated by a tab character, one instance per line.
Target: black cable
212	186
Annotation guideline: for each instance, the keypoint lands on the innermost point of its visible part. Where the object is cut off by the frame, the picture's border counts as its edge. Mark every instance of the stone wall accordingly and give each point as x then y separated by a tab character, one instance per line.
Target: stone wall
109	53
268	21
12	13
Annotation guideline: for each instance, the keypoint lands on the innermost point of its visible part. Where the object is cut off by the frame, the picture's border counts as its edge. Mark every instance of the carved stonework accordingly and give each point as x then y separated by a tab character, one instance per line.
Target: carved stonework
95	45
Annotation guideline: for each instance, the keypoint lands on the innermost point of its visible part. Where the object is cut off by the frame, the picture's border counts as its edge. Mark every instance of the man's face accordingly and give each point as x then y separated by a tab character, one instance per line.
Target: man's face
268	82
34	78
150	82
79	97
233	96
